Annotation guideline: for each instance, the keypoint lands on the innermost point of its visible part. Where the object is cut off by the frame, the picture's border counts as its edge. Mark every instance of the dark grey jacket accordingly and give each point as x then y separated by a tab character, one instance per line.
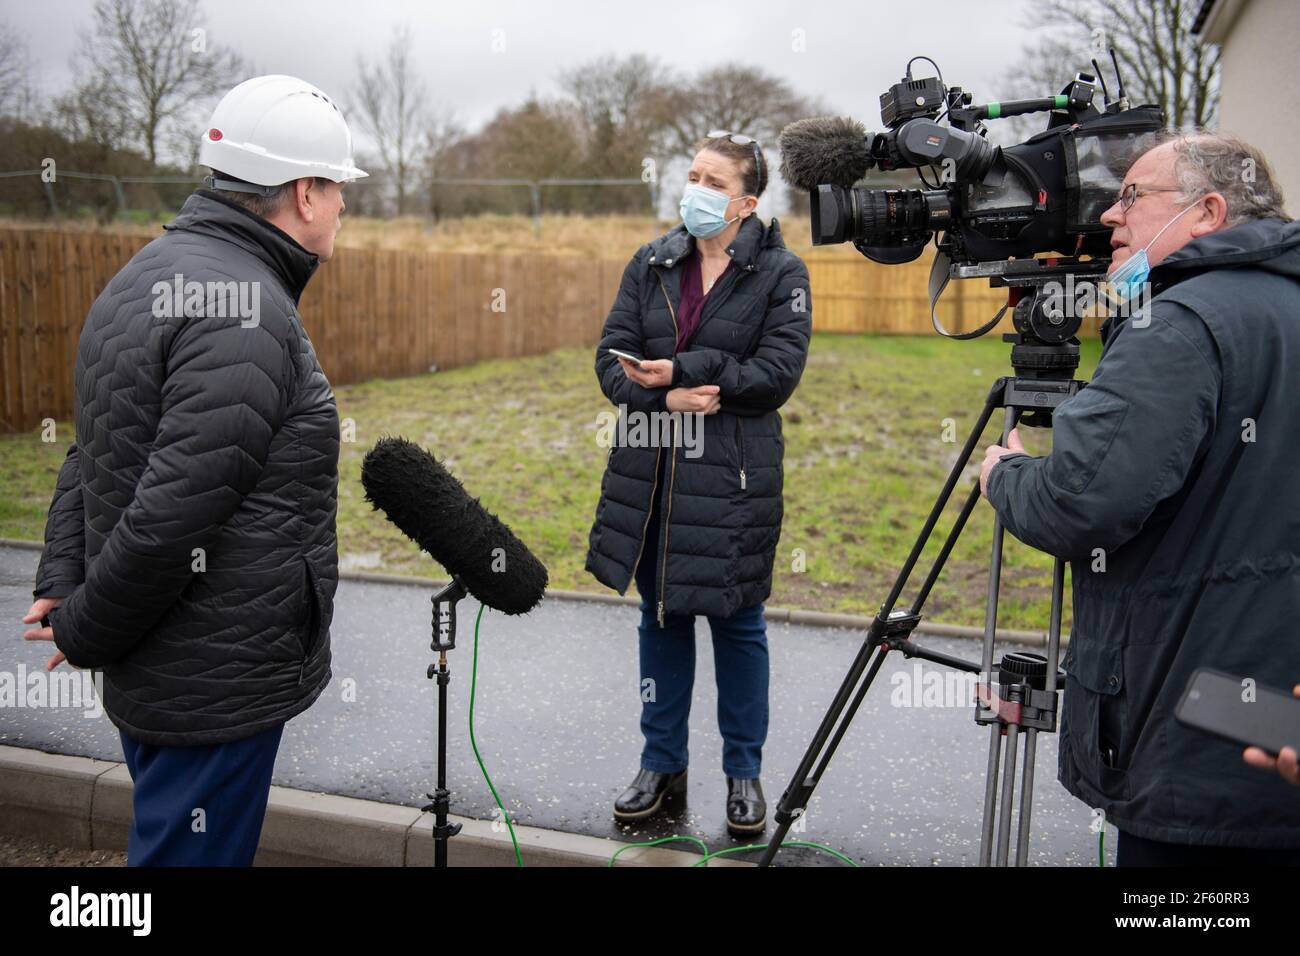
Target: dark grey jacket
1177	467
721	511
192	529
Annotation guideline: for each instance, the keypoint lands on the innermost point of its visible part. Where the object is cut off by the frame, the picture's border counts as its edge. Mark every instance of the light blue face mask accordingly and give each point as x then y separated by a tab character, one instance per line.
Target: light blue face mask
704	211
1127	279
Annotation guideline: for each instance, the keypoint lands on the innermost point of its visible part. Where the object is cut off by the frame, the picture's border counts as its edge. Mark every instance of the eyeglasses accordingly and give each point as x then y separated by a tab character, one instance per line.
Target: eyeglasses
740	139
1129	195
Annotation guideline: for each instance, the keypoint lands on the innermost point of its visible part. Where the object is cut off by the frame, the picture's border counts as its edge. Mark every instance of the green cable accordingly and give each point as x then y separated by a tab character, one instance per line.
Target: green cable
473	685
668	839
764	846
519	861
704	860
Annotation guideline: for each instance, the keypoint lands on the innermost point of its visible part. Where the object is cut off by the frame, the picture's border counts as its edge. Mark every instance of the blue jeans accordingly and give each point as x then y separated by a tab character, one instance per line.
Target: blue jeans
668	659
229	783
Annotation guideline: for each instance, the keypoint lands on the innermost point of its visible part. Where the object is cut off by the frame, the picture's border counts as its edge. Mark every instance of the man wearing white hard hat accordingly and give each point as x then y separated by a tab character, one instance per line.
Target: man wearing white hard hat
190	551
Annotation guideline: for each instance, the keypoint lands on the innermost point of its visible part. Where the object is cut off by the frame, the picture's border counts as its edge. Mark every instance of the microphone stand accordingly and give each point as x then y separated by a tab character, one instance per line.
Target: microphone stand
444	640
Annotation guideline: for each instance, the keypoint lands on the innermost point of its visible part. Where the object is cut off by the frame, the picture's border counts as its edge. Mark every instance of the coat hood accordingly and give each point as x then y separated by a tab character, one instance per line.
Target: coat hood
1269	244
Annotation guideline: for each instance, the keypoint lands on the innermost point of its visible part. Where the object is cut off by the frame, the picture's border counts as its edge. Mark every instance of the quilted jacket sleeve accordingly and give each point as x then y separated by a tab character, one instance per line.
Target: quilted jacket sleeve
224	397
623	332
63	563
765	380
1120	446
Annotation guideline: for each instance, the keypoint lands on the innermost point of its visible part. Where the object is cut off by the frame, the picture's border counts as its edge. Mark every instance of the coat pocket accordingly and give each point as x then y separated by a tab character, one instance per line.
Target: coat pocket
313	602
1095	717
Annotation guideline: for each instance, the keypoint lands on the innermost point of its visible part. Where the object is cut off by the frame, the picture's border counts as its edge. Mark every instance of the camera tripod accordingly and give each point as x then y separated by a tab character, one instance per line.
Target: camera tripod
1019	699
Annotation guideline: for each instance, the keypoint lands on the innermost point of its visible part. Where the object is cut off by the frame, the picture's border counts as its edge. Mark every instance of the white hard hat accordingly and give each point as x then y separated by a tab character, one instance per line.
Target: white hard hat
274	129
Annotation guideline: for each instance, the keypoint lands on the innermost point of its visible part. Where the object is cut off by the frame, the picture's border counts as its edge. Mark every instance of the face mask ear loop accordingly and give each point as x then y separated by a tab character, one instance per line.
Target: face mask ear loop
1196	203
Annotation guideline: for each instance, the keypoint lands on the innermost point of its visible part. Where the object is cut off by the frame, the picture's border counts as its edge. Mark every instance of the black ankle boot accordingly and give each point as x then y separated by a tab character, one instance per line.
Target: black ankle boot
648	793
746	808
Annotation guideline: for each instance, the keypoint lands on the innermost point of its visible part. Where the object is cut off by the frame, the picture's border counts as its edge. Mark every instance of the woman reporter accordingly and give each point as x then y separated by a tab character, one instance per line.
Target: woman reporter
720	313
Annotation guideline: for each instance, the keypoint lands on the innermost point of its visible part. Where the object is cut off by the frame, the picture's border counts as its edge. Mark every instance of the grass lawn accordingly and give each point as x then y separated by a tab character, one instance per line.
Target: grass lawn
865	457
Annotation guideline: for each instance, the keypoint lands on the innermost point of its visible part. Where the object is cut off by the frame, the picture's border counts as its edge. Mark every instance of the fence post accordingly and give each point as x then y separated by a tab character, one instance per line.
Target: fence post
121	197
537	207
49	194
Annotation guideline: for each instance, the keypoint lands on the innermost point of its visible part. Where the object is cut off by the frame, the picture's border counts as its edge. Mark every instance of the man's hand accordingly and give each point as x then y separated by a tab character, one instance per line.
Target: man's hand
652	373
1286	763
42	607
701	398
994	454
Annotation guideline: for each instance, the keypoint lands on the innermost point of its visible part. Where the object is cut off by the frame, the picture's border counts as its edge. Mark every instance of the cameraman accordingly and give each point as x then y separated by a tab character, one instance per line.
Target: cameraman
1167	488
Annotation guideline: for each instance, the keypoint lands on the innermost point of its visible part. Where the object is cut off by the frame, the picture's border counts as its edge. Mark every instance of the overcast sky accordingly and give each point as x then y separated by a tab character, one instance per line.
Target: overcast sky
854	48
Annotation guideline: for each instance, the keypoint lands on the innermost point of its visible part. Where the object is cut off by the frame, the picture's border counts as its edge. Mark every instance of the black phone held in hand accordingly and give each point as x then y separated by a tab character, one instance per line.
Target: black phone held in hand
1254	716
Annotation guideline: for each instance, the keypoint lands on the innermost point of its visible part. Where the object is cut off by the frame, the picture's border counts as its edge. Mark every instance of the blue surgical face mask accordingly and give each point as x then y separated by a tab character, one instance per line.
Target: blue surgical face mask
704	211
1128	278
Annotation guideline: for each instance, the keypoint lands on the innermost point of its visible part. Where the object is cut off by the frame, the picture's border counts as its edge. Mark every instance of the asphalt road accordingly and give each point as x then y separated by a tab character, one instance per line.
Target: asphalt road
556	720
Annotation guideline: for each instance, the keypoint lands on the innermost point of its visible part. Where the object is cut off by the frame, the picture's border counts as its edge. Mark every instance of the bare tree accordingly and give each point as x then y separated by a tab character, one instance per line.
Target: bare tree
441	133
389	105
149	61
15	73
619	103
1161	60
736	97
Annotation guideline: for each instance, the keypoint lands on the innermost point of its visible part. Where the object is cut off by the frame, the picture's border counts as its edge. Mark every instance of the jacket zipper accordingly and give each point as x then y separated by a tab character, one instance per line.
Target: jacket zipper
672	472
654	490
740	425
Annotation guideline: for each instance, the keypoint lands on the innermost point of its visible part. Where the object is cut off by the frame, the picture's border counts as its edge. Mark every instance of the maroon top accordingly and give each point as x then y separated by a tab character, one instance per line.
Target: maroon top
693	298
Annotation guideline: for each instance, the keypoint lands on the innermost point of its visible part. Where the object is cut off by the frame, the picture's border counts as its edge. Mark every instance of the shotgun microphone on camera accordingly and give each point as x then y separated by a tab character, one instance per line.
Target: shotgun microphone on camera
431	507
834	150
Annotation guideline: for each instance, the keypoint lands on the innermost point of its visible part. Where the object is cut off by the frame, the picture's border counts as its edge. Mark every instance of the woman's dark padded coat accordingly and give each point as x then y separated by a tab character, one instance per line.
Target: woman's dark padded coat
721	511
192	529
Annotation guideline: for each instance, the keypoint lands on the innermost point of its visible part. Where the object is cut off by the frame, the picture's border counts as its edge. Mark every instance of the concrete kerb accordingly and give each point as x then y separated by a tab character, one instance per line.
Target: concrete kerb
85	803
859	622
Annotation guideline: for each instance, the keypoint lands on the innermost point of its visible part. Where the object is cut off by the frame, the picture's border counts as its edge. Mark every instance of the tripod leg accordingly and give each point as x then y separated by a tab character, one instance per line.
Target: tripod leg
990	792
833	727
986	672
1007	801
1031	740
1026	796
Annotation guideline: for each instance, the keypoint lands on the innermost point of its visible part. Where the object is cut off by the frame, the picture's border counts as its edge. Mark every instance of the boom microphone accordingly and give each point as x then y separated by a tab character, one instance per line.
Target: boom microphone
825	150
432	508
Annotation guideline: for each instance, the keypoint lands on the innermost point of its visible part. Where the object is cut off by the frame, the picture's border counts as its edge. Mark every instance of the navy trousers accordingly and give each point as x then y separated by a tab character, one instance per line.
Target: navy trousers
199	806
740	663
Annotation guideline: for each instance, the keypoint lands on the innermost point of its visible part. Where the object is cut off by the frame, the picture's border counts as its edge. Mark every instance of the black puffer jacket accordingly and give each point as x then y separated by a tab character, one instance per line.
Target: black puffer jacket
1171	484
192	529
722	509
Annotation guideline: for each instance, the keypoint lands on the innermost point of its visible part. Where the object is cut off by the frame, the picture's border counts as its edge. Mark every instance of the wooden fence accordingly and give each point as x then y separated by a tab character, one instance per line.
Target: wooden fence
387	314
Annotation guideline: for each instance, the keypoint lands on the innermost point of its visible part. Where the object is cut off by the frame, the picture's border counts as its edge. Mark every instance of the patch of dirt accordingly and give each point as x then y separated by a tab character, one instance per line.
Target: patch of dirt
22	851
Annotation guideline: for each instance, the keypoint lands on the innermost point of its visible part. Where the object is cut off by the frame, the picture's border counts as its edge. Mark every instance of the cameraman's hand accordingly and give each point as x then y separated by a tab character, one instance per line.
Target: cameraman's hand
42	607
994	454
701	398
1286	763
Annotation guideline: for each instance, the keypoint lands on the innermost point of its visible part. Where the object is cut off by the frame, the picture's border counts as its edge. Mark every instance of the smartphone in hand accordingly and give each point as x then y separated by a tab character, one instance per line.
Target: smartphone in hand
626	355
1215	703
